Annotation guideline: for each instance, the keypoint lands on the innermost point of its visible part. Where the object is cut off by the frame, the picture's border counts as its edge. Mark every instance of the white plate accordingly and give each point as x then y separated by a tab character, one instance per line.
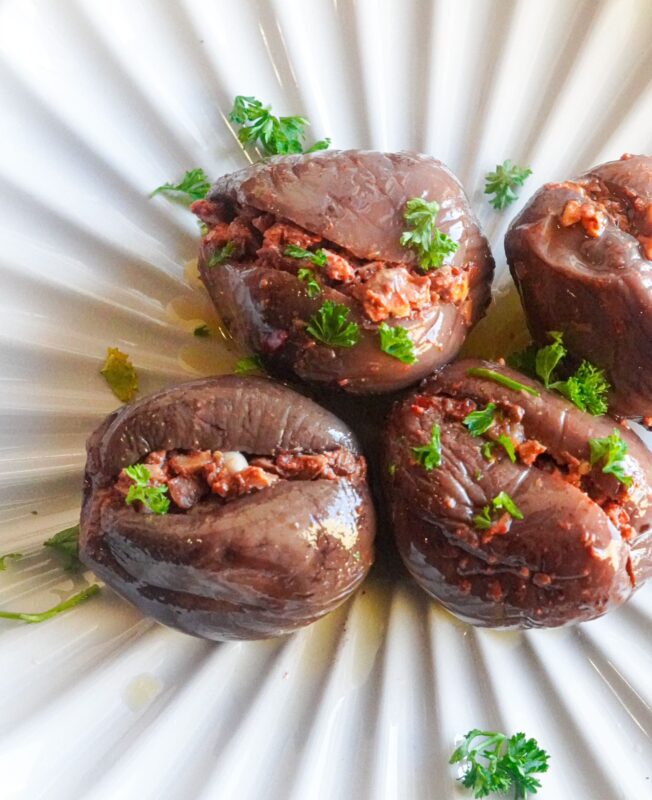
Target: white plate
99	103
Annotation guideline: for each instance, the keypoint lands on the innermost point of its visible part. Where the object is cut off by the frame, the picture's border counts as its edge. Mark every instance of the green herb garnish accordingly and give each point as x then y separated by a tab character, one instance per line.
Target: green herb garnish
193	186
611	450
202	331
329	326
587	388
483	519
307	276
42	616
318	258
503	380
274	135
391	469
524	360
547	358
66	544
6	557
501	502
429	455
487	451
479	422
152	497
119	373
221	254
249	364
396	342
492	762
508	446
503	181
431	245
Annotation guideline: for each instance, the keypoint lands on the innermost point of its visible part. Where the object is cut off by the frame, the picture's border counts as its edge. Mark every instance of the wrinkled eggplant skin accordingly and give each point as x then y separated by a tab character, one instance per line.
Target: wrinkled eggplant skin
259	566
355	199
598	292
565	562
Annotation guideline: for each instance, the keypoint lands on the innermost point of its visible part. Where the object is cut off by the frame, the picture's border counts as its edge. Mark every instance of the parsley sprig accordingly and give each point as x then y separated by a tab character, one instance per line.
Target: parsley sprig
66	545
396	342
221	254
152	497
318	258
429	455
274	135
42	616
249	364
431	245
501	502
193	186
611	451
587	388
492	762
508	446
479	422
503	182
329	326
307	276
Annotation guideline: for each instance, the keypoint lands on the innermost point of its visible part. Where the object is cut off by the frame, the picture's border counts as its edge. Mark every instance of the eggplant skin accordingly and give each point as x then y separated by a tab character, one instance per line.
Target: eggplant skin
259	566
355	199
565	562
595	290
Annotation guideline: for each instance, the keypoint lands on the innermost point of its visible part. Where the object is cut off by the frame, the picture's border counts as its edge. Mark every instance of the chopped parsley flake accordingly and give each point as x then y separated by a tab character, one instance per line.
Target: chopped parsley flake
152	497
66	545
221	254
193	186
396	342
330	327
501	502
119	373
479	422
307	276
508	446
504	181
611	451
249	364
430	244
318	258
429	455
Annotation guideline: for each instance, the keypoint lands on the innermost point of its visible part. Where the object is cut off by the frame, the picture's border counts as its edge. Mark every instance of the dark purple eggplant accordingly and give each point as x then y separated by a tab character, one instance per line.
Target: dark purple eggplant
584	543
260	565
351	203
580	254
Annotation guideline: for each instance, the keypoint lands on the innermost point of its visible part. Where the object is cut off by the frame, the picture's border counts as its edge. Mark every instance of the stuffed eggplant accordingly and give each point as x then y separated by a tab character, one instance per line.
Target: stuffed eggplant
510	505
580	254
357	269
229	508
